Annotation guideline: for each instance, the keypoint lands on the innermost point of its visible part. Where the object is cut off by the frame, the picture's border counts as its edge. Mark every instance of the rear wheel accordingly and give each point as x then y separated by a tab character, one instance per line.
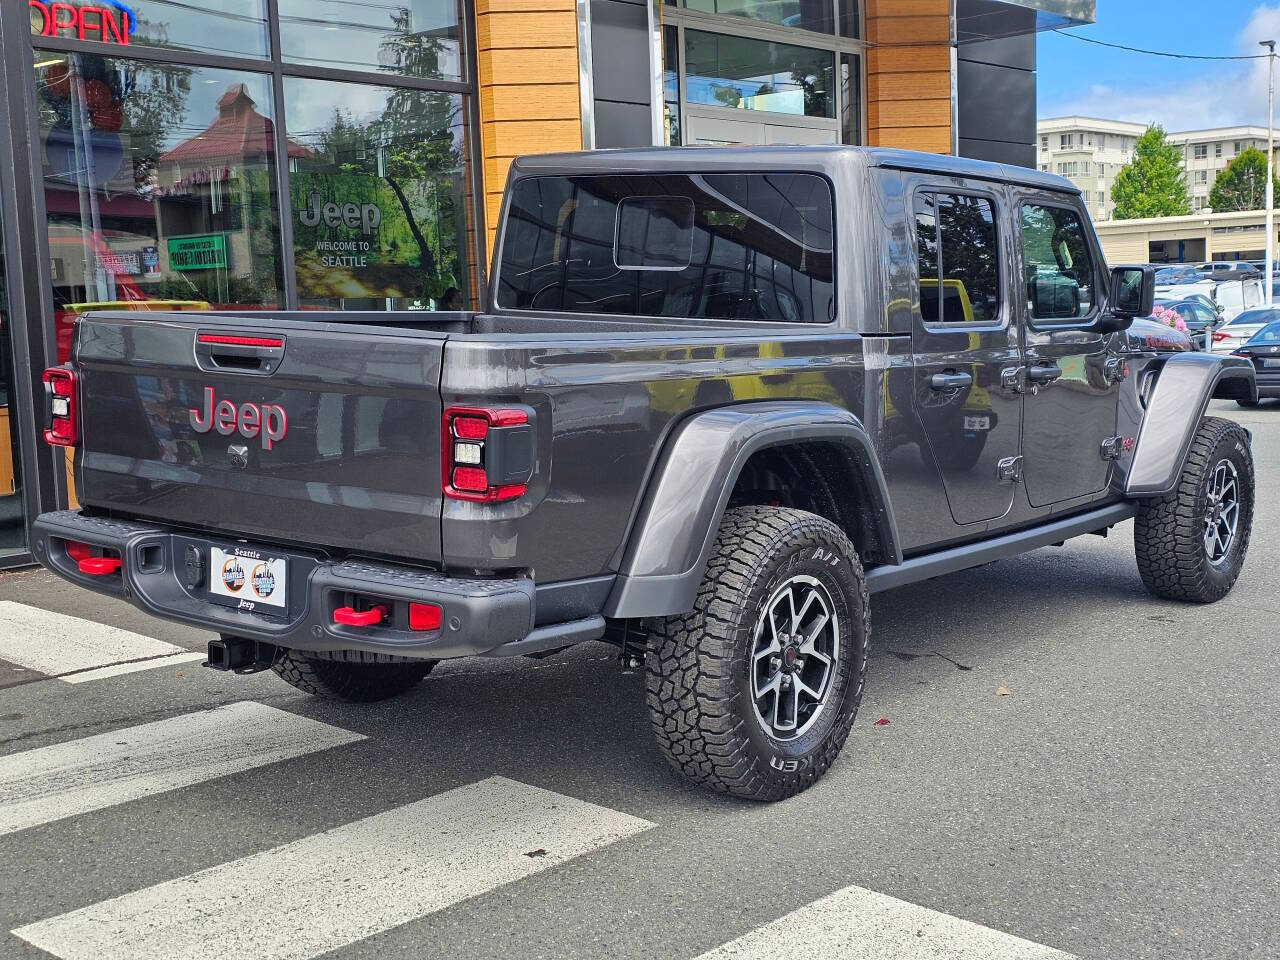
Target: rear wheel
1192	543
754	692
1247	404
350	675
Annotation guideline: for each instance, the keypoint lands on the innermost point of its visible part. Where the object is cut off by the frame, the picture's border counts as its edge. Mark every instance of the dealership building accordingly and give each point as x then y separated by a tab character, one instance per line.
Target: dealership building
351	154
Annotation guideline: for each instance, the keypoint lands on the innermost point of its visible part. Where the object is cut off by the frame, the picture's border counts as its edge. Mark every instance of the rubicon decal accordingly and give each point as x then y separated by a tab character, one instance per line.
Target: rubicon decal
267	421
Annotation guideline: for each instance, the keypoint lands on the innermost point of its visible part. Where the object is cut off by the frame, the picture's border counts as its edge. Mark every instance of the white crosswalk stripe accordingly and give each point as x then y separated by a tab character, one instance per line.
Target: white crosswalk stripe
859	924
338	887
79	776
75	650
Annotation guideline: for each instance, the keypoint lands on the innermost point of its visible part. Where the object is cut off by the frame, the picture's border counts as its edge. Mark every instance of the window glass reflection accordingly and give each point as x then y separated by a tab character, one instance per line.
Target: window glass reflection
236	27
13	534
416	38
378	197
806	14
747	74
160	187
721	246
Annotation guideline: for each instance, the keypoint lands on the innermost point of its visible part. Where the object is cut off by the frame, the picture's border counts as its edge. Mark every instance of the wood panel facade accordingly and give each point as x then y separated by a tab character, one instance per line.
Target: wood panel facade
909	74
527	72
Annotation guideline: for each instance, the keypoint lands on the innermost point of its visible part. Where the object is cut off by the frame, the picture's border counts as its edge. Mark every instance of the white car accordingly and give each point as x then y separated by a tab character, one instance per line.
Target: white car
1240	328
1230	295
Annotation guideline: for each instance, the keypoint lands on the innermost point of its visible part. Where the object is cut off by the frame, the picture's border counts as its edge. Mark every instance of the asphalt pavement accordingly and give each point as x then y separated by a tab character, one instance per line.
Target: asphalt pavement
1070	766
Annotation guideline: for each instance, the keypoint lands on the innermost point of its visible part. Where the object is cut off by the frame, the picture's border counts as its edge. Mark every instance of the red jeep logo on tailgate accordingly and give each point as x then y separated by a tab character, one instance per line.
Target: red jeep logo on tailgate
267	420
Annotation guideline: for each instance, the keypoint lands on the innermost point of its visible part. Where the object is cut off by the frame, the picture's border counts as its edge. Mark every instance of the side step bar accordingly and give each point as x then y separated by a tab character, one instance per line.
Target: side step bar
932	565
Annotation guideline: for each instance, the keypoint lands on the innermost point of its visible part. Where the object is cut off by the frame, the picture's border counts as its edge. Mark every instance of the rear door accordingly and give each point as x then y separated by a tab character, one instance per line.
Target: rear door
967	353
1071	393
296	432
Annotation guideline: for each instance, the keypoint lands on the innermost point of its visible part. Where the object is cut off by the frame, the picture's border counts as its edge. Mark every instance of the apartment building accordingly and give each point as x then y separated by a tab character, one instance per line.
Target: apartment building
1090	152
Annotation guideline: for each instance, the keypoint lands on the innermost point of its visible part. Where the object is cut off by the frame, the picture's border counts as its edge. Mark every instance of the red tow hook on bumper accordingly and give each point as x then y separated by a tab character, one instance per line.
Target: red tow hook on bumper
93	566
351	617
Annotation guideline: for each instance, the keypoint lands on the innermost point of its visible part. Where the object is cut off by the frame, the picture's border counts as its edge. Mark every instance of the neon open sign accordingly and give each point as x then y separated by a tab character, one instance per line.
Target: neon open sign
112	22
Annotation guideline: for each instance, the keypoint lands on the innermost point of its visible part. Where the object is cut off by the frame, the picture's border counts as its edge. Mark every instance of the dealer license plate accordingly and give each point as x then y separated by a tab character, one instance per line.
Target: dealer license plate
977	423
248	575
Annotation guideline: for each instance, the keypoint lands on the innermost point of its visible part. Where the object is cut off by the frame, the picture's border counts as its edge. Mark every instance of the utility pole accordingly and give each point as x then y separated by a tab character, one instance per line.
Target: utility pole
1271	148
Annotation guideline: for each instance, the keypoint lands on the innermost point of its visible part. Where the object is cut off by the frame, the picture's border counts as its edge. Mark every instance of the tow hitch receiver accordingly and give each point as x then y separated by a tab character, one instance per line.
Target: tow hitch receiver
240	655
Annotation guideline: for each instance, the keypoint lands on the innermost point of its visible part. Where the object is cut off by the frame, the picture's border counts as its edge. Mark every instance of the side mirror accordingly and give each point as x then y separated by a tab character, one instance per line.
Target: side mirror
1133	291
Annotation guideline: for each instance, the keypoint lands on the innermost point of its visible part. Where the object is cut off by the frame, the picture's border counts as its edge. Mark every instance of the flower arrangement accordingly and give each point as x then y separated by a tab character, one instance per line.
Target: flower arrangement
1169	317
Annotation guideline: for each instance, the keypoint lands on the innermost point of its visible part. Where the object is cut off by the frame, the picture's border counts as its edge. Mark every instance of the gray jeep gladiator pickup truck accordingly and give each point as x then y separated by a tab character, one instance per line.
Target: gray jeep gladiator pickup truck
718	398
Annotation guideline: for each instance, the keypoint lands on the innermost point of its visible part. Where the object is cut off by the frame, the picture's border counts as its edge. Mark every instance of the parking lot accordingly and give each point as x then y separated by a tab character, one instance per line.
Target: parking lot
1068	765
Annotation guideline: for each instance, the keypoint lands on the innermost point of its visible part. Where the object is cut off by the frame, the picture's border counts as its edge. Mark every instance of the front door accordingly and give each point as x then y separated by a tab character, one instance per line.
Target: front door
1071	391
967	410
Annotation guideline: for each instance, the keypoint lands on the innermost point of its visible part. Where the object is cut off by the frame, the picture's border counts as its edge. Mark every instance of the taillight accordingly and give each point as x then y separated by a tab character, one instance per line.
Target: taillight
62	426
487	453
1219	336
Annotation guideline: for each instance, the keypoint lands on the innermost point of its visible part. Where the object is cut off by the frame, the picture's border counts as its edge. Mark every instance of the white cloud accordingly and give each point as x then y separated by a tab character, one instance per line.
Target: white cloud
1227	94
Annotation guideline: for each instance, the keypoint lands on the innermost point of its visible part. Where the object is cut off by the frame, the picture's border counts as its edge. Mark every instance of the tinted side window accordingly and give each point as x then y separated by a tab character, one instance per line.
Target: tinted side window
958	258
1059	277
714	246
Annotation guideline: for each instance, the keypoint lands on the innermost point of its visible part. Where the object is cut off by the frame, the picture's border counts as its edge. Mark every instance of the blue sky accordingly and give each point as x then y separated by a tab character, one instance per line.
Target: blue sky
1081	78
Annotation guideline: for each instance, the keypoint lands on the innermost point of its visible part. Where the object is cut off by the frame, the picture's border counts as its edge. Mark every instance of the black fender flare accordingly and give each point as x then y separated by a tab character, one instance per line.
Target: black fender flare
1185	384
670	543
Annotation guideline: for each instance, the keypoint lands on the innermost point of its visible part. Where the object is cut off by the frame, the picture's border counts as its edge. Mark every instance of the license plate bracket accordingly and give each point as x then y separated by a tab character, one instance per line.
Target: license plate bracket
249	579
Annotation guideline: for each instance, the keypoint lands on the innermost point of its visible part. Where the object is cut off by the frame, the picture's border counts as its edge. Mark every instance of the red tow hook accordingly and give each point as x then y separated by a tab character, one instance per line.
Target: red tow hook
351	617
99	566
87	563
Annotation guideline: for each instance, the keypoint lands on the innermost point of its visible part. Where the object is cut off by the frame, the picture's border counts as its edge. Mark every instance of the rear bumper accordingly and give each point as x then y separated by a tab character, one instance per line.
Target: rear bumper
1268	383
481	617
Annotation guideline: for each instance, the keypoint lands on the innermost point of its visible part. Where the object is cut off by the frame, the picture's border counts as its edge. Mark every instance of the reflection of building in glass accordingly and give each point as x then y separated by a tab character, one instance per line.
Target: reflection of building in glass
213	195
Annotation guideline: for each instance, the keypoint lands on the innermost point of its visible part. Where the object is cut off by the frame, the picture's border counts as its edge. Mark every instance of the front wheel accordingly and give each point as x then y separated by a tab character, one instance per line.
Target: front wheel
1192	543
754	692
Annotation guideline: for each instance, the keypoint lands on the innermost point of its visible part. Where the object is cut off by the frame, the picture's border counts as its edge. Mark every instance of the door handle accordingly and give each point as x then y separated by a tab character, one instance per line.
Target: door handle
950	380
1044	372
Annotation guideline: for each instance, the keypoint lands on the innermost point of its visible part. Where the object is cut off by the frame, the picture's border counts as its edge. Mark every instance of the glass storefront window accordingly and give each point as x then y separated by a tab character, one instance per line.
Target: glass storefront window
378	196
236	27
850	98
671	84
749	74
415	38
13	532
160	186
805	14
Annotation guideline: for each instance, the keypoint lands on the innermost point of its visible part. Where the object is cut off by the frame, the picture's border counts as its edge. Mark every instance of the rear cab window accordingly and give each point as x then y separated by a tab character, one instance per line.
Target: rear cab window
715	246
958	259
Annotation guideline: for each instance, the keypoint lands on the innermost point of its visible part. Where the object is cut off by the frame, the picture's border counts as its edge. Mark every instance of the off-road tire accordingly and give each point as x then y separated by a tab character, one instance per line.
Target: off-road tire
1169	531
698	665
350	675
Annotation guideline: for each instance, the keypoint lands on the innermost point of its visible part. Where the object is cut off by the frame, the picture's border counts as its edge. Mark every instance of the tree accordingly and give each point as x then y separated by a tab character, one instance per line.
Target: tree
1243	184
1152	184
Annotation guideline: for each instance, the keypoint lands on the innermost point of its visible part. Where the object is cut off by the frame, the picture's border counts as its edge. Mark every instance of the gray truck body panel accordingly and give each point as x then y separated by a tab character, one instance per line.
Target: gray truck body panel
642	427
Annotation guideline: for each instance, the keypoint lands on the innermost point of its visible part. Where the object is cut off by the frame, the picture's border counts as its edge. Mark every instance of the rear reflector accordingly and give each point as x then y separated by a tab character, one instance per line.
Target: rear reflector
62	423
235	341
470	480
425	616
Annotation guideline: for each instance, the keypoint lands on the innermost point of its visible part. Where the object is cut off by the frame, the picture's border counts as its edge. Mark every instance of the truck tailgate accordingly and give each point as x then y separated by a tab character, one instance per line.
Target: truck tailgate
296	432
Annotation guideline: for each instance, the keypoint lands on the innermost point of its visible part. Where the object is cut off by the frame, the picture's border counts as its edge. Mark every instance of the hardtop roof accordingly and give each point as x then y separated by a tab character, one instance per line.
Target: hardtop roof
756	158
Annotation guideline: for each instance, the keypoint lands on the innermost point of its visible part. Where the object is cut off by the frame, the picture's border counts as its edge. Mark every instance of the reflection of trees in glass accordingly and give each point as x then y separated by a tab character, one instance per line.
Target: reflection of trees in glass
969	251
405	159
151	100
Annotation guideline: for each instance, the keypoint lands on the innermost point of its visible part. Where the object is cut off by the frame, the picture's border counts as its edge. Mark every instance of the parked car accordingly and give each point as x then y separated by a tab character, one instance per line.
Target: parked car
820	406
1221	267
1178	274
1196	314
1263	351
1230	294
1237	331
